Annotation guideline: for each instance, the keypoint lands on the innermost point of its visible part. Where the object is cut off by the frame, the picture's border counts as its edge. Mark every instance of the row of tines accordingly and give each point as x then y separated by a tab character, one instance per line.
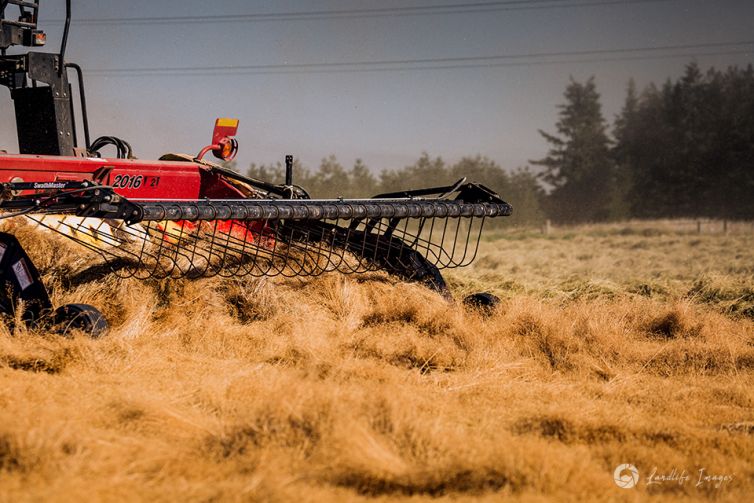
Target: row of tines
160	249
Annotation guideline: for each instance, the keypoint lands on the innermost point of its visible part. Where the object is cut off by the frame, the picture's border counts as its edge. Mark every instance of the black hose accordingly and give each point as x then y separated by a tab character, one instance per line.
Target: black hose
82	99
123	148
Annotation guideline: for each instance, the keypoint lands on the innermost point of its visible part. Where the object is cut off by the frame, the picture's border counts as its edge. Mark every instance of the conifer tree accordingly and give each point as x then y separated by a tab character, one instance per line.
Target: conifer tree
578	167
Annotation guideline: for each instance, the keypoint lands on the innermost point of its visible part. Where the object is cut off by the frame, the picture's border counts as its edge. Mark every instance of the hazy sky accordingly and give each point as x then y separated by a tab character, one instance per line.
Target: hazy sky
387	118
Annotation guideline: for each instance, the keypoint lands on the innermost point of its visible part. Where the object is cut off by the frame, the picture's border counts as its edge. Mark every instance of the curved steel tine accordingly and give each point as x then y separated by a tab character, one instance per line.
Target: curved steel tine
158	260
455	241
478	239
140	235
287	270
402	243
463	242
177	243
371	250
355	247
445	253
331	240
241	255
262	246
277	258
237	254
249	251
198	259
270	253
248	246
280	251
241	249
323	251
230	248
212	250
310	257
363	249
443	238
427	247
211	269
225	270
293	244
301	247
273	261
183	239
374	249
463	261
266	263
158	269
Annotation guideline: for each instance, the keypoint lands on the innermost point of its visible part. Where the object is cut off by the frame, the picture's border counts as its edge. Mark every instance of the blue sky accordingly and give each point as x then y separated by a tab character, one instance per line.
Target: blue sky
387	118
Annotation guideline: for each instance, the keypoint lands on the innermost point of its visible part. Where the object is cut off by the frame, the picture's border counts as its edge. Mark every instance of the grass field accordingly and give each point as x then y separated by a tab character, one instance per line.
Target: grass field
624	343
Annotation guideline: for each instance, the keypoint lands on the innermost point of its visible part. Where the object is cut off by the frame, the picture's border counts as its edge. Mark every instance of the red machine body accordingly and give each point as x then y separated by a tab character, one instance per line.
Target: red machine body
133	179
136	180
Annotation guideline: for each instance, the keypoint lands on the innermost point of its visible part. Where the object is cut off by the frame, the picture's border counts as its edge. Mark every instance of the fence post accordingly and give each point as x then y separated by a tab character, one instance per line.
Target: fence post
547	227
698	226
725	227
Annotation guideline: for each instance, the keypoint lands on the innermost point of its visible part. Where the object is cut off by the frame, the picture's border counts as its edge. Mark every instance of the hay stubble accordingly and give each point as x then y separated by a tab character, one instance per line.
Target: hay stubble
341	388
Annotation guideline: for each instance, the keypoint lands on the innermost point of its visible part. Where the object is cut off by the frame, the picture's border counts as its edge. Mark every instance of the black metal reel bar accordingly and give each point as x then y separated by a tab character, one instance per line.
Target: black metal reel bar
473	200
255	209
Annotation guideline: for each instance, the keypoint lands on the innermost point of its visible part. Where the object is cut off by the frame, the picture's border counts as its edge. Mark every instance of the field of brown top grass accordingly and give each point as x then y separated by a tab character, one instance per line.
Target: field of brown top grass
625	343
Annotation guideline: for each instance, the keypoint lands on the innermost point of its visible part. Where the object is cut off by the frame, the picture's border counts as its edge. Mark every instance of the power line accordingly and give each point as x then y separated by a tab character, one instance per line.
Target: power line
444	9
436	67
527	59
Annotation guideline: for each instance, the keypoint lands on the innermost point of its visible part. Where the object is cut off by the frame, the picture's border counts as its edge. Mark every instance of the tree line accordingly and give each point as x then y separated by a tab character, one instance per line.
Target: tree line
331	179
683	149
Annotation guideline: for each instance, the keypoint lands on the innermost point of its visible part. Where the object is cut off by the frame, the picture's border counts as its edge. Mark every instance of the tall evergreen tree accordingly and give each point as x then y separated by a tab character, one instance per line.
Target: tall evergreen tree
578	166
627	133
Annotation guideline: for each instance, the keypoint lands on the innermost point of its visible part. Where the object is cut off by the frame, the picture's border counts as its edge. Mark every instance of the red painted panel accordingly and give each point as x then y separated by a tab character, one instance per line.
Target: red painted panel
133	179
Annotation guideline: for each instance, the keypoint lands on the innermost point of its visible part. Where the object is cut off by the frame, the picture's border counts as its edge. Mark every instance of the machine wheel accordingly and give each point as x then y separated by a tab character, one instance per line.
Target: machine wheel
484	301
81	317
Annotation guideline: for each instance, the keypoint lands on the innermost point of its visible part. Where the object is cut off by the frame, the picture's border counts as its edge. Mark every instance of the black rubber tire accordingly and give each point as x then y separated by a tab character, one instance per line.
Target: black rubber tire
484	301
82	317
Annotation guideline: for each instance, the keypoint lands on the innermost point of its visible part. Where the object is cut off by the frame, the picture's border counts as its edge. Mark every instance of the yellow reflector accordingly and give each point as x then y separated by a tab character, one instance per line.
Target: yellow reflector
227	122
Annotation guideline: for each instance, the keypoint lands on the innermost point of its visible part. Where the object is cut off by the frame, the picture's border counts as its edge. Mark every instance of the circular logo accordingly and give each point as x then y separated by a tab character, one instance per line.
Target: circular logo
626	476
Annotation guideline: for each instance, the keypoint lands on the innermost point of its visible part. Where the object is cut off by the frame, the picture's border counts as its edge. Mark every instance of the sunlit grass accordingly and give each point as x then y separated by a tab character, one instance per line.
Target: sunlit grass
610	346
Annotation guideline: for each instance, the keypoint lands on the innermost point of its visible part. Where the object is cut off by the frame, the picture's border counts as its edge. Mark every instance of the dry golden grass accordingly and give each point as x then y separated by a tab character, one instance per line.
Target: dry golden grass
613	344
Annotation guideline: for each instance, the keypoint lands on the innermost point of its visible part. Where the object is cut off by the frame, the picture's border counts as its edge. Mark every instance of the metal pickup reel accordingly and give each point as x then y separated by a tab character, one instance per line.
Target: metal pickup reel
411	237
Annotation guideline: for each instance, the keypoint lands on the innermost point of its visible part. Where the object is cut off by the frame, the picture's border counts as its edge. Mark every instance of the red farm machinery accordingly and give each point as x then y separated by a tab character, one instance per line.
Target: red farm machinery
183	216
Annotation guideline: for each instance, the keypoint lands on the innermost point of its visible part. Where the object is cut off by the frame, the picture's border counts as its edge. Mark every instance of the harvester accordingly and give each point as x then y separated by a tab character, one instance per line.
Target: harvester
184	216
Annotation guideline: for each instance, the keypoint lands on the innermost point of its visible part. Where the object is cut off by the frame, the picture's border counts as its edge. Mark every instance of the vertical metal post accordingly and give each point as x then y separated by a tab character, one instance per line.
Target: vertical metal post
288	170
64	42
